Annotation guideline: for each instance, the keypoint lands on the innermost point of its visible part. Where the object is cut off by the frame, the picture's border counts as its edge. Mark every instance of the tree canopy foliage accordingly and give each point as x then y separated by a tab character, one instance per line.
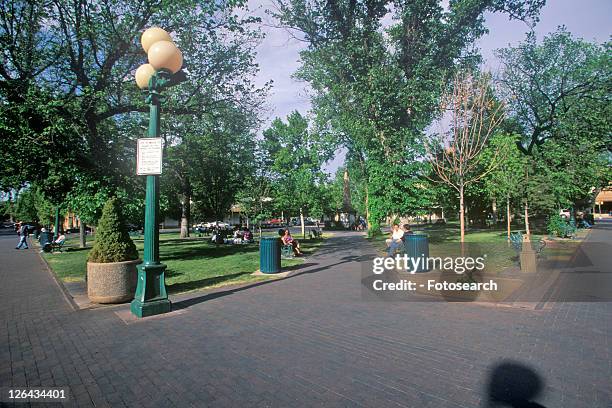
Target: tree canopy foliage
377	84
558	87
71	111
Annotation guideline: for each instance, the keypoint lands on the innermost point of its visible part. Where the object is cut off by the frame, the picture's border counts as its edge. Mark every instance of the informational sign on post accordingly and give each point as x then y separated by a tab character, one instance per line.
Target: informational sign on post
149	156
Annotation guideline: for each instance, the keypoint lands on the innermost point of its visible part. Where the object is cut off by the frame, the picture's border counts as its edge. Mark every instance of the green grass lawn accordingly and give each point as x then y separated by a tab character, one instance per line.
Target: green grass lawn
193	263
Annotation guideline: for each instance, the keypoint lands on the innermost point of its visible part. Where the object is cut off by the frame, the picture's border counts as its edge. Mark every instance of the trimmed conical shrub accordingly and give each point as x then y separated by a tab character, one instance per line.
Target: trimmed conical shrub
113	243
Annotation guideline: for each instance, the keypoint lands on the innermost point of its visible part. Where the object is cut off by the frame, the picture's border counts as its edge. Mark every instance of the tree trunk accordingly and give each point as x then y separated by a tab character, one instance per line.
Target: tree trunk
184	227
494	210
461	213
508	215
302	222
185	210
12	206
527	219
82	234
527	232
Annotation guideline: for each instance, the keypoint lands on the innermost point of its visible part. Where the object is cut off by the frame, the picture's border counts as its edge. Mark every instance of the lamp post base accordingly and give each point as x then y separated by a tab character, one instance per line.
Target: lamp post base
150	298
150	308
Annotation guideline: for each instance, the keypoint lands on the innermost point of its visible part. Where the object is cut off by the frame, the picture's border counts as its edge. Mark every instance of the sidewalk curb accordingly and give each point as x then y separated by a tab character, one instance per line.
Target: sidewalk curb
59	283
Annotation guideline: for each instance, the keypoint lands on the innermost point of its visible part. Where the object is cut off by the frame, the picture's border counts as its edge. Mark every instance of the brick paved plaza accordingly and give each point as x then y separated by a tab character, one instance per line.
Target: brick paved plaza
309	340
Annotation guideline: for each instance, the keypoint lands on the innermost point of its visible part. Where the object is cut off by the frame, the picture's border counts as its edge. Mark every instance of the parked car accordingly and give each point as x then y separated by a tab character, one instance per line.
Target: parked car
277	222
565	213
273	223
217	224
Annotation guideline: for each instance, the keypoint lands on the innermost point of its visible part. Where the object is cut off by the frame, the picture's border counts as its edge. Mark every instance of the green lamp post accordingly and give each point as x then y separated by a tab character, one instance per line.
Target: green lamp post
162	71
56	229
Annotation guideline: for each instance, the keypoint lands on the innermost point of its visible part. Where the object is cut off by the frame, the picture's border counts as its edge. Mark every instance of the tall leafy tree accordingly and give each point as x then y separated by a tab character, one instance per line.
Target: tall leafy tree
297	155
208	161
69	102
548	84
558	91
503	183
377	85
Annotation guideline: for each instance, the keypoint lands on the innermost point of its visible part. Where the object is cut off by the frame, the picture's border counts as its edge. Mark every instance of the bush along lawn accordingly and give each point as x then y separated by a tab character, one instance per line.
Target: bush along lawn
193	263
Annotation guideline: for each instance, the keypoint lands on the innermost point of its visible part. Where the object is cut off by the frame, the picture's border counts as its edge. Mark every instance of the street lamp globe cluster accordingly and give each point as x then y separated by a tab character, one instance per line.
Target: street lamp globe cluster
162	71
162	53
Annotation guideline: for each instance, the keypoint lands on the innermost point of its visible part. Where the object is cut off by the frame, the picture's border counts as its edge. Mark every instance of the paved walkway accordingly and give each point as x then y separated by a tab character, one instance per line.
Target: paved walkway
309	340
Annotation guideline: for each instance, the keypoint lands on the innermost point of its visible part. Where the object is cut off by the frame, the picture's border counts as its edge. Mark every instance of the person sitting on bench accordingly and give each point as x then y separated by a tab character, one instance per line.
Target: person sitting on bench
58	243
60	240
395	241
288	240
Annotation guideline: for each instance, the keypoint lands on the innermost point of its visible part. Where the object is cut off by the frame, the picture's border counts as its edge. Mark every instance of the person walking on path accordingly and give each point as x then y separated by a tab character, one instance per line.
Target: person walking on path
23	235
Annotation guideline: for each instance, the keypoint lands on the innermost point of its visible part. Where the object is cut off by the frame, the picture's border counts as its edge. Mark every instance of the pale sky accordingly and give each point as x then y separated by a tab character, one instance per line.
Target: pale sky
278	54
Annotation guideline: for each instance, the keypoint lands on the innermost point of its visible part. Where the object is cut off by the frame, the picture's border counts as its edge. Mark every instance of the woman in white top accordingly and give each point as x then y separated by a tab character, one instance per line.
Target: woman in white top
396	239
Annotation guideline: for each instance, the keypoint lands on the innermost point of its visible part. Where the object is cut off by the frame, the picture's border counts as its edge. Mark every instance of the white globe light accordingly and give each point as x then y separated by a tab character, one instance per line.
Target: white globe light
165	55
153	35
143	74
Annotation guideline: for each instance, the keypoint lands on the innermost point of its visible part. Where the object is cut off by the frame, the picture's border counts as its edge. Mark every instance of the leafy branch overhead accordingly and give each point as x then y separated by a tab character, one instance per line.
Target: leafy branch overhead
546	83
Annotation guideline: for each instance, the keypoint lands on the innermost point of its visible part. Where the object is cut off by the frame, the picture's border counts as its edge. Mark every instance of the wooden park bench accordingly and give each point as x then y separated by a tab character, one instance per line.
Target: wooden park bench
49	245
58	245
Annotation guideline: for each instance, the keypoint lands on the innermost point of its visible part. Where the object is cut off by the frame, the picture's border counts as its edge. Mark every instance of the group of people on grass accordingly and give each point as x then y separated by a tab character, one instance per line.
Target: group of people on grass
239	236
360	224
242	236
397	237
245	236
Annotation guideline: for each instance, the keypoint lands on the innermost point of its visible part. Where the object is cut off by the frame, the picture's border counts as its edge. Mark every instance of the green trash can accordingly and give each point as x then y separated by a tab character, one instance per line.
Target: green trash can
417	246
269	255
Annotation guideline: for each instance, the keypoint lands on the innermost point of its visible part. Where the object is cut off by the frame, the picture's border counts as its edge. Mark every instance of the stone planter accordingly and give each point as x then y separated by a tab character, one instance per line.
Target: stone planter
113	282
